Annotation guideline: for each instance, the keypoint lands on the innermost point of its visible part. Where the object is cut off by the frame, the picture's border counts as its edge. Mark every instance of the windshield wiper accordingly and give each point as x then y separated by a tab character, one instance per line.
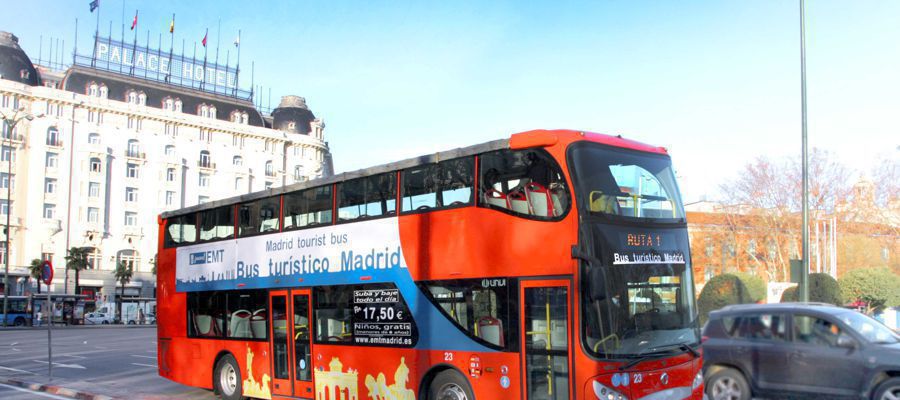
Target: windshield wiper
655	354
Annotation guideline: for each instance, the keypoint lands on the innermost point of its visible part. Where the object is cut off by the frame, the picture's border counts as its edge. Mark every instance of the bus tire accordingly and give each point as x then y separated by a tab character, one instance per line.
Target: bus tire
449	385
19	321
227	378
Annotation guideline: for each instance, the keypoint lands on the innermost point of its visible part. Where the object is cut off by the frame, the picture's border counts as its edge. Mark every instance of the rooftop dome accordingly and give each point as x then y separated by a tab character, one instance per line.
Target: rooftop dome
14	63
292	115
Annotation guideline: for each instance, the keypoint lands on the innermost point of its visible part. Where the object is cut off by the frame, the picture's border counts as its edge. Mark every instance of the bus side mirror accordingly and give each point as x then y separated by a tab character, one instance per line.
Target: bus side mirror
597	284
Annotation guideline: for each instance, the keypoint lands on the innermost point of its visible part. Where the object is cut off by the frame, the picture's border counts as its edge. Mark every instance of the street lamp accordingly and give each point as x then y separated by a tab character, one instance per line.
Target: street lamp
10	122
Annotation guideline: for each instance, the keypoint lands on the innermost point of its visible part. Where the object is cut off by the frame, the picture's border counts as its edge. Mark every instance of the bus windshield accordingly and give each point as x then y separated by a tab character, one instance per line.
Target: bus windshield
626	184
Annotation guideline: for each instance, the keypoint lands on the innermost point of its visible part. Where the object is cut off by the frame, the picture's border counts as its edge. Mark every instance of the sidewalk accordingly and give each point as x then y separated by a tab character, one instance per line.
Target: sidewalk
60	387
57	327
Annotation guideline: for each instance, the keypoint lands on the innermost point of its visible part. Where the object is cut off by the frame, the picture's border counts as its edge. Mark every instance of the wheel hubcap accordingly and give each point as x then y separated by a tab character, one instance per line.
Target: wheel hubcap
452	391
228	380
891	394
726	389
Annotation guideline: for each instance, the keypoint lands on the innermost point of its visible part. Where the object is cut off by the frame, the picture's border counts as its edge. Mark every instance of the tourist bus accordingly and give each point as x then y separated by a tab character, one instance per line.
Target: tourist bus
550	265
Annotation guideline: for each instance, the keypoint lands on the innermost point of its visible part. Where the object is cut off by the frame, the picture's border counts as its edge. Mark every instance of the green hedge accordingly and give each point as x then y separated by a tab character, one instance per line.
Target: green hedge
720	291
822	289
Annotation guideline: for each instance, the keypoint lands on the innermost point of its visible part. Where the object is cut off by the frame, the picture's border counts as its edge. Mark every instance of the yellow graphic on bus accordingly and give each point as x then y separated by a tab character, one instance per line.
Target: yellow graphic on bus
251	387
379	390
335	384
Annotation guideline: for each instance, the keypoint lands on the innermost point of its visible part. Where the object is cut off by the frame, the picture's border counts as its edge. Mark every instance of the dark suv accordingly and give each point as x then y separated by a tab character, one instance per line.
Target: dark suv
797	350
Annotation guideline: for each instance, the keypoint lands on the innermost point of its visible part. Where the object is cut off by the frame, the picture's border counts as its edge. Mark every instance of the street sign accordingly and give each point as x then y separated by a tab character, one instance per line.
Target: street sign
47	272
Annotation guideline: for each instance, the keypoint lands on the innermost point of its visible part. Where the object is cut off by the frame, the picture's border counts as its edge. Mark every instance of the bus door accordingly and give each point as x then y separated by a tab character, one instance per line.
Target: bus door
291	343
546	355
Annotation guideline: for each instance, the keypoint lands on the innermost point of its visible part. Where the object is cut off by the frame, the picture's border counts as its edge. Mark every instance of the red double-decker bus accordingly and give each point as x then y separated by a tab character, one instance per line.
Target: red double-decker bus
550	265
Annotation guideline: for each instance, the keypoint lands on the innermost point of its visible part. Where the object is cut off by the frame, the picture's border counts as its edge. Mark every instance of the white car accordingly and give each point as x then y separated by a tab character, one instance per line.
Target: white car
95	318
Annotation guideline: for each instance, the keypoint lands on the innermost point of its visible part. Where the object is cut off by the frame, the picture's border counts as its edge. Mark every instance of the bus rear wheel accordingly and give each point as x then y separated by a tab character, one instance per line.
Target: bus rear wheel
449	385
227	378
19	322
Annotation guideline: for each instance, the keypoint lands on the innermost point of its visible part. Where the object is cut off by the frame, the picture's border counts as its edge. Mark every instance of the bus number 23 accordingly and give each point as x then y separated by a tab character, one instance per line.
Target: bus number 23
448	356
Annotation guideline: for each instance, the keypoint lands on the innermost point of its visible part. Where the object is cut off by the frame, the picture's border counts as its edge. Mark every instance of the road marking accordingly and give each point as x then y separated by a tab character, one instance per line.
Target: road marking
61	365
33	392
16	370
15	349
13	343
144	365
151	351
138	355
73	356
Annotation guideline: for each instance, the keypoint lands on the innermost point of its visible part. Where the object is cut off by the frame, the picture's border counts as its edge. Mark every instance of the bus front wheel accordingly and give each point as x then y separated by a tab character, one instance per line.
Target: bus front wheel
449	385
227	378
19	322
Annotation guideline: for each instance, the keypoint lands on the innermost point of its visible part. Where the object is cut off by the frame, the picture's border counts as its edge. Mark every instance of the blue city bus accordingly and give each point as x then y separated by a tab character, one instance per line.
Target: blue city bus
18	314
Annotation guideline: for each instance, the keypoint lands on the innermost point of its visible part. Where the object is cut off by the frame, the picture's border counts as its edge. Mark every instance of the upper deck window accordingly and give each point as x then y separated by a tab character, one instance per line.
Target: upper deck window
372	196
258	216
624	183
217	223
308	207
525	182
445	184
181	230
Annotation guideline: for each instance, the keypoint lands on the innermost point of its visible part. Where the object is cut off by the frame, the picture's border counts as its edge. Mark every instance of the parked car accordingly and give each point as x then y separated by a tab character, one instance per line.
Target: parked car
95	318
799	349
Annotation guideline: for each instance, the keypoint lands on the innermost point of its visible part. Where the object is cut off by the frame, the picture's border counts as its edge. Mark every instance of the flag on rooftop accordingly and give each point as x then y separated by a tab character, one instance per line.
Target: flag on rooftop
94	5
204	38
134	23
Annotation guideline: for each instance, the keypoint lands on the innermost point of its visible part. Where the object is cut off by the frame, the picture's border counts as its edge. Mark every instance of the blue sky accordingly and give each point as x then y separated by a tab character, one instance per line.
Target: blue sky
718	83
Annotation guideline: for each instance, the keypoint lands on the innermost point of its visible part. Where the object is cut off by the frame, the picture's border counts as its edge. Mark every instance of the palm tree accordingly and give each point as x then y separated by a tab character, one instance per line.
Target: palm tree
124	273
35	270
77	260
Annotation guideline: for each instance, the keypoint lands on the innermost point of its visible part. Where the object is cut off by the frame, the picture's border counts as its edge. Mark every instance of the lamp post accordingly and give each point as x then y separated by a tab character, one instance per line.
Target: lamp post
10	122
803	291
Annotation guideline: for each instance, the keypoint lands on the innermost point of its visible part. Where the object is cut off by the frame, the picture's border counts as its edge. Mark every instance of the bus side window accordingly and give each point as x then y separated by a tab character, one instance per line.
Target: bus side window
310	207
525	182
372	196
333	314
181	230
217	223
445	184
483	308
259	216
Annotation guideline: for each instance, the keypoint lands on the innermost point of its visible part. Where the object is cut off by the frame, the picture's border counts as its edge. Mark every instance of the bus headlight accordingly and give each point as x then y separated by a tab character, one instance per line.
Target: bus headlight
604	393
698	380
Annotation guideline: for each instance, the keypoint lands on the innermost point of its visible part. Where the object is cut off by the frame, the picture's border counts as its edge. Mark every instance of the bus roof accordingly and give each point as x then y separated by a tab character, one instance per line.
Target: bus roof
616	141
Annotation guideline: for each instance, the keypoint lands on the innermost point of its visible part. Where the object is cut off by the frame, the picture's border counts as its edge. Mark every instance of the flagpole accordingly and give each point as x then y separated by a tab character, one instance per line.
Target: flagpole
134	46
123	32
237	69
158	55
218	41
171	46
96	36
194	78
205	53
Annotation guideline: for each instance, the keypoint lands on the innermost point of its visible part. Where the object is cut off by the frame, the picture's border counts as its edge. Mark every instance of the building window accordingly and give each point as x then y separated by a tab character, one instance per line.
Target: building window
238	161
94	138
170	175
212	112
132	171
95	164
168	104
178	105
130	219
47	257
93	189
51	161
131	194
104	91
134	148
297	175
6	134
93	90
205	160
238	183
132	97
202	199
142	99
171	130
170	198
130	258
52	136
203	110
49	185
49	211
8	154
170	151
3	253
204	180
7	181
94	259
4	207
245	118
270	169
93	215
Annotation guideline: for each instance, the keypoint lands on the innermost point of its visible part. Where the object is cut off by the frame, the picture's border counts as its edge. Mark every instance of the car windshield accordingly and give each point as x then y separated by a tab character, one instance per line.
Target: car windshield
638	308
626	184
870	328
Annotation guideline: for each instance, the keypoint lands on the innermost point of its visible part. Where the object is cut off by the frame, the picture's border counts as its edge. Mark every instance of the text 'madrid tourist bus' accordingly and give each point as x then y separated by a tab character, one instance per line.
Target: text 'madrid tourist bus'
550	265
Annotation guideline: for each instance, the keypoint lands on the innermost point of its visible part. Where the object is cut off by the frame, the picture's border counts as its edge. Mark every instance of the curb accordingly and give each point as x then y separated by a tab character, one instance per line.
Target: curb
53	389
64	327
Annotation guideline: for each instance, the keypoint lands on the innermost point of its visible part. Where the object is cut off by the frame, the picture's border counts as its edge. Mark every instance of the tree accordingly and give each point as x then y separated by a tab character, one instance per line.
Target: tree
35	271
720	291
756	287
876	287
124	273
77	260
822	288
763	205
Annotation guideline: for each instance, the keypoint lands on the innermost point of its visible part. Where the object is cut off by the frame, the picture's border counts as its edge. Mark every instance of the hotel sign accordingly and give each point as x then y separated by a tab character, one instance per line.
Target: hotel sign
162	65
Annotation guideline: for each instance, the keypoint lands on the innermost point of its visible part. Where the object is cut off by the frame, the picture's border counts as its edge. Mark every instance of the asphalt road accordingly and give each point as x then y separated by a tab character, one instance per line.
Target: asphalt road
114	361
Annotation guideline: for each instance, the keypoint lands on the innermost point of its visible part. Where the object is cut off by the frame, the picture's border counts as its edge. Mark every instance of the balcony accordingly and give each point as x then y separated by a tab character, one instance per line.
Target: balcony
137	155
270	174
14	138
54	143
133	230
206	164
